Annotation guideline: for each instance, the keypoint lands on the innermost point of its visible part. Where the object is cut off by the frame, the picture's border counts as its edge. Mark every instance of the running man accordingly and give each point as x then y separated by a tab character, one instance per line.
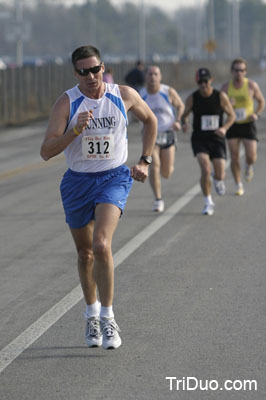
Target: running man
89	123
242	92
208	137
168	107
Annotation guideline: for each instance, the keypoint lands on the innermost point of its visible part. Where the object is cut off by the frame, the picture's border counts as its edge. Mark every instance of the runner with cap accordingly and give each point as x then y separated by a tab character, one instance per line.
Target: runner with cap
208	136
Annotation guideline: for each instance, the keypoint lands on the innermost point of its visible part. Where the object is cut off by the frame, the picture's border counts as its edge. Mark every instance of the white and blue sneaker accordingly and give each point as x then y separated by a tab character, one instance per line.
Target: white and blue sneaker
110	329
219	187
93	334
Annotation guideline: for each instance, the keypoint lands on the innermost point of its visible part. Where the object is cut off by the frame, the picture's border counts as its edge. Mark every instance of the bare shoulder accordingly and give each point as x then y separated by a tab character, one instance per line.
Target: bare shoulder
127	92
62	104
224	87
253	85
223	95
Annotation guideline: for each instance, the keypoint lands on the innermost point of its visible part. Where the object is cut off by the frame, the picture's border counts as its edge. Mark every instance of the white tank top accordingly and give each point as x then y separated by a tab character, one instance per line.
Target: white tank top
103	145
160	104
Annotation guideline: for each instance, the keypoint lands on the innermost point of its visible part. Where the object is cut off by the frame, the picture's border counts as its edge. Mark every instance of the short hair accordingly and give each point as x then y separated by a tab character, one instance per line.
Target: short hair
238	60
85	52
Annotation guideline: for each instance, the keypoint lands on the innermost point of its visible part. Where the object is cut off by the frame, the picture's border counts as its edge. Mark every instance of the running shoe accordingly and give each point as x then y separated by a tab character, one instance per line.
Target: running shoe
158	206
93	335
240	190
249	173
110	329
208	209
219	187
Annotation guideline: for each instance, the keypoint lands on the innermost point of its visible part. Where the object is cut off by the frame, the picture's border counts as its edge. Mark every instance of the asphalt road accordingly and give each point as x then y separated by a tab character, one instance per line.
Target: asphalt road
190	294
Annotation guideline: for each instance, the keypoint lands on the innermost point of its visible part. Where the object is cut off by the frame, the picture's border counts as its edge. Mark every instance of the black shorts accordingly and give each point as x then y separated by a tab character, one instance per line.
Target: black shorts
166	139
212	145
243	131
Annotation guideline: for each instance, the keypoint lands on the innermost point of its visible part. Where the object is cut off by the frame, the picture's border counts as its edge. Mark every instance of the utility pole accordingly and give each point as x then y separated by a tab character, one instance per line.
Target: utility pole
142	31
19	24
236	28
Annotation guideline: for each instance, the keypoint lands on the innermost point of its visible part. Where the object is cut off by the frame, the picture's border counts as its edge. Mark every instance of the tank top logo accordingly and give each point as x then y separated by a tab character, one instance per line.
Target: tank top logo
101	123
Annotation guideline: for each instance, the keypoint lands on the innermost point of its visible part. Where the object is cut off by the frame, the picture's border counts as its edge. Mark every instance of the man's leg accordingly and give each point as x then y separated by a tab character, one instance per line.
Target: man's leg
167	161
205	179
106	220
155	180
154	173
251	157
205	182
219	175
234	145
83	241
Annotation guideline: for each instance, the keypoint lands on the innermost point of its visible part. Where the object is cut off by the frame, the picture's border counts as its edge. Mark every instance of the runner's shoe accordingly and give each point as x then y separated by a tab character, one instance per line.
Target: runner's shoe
219	187
249	173
208	209
110	329
240	190
93	335
158	206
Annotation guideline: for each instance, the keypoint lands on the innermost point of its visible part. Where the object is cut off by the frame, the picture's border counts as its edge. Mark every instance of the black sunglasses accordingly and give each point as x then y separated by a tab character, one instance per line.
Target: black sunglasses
200	81
239	70
86	71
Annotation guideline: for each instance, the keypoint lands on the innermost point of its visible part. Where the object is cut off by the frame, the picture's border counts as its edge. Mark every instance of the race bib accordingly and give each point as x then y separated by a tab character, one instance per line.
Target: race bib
240	114
98	147
209	122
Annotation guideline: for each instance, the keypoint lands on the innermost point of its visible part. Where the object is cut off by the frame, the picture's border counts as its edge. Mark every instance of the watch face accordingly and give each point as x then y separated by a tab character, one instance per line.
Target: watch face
147	159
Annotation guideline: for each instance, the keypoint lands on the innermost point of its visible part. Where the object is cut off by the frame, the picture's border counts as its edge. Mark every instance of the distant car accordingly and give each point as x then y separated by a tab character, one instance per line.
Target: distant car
31	60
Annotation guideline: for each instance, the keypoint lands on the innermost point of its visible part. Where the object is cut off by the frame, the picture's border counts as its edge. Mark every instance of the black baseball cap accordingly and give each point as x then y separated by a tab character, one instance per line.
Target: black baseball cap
203	73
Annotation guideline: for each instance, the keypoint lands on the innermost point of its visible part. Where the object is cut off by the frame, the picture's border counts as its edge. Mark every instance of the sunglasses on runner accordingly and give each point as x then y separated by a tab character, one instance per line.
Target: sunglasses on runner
239	70
200	81
86	71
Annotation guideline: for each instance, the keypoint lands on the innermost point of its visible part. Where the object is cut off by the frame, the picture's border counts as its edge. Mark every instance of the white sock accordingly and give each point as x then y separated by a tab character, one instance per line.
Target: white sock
239	185
93	310
208	199
107	312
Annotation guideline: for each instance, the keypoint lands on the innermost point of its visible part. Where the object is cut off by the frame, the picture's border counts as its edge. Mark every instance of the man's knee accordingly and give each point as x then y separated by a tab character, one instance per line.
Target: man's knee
85	255
166	173
101	248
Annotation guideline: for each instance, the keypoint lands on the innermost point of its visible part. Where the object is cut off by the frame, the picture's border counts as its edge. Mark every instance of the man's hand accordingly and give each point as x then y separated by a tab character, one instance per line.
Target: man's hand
140	172
83	120
220	132
176	126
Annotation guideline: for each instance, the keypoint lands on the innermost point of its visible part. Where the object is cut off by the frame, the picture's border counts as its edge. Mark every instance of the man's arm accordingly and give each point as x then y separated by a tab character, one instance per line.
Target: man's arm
188	109
258	96
55	140
228	109
141	110
179	105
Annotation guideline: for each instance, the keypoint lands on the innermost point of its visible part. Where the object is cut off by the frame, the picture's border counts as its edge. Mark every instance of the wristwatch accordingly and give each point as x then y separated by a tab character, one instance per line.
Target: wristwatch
146	159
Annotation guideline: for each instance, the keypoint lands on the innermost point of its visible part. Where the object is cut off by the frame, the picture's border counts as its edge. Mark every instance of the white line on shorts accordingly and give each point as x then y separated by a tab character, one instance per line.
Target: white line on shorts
39	327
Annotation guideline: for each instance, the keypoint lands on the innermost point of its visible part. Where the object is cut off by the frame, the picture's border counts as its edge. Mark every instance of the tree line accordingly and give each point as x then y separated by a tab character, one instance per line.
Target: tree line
55	29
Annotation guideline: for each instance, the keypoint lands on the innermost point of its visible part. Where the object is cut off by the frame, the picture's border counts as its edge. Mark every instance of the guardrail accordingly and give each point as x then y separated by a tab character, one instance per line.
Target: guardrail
28	93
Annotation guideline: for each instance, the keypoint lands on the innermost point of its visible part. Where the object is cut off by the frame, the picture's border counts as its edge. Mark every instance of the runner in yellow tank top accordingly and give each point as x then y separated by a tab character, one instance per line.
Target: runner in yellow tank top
242	92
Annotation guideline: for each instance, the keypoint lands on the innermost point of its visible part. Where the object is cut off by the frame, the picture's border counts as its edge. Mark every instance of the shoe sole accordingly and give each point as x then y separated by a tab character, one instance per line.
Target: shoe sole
93	344
113	346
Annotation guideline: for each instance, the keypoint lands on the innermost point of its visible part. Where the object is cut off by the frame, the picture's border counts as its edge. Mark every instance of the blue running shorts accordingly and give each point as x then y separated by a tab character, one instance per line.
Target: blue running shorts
82	191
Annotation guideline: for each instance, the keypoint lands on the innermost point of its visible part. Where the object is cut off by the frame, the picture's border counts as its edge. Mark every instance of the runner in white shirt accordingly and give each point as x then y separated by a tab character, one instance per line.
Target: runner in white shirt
89	123
168	107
